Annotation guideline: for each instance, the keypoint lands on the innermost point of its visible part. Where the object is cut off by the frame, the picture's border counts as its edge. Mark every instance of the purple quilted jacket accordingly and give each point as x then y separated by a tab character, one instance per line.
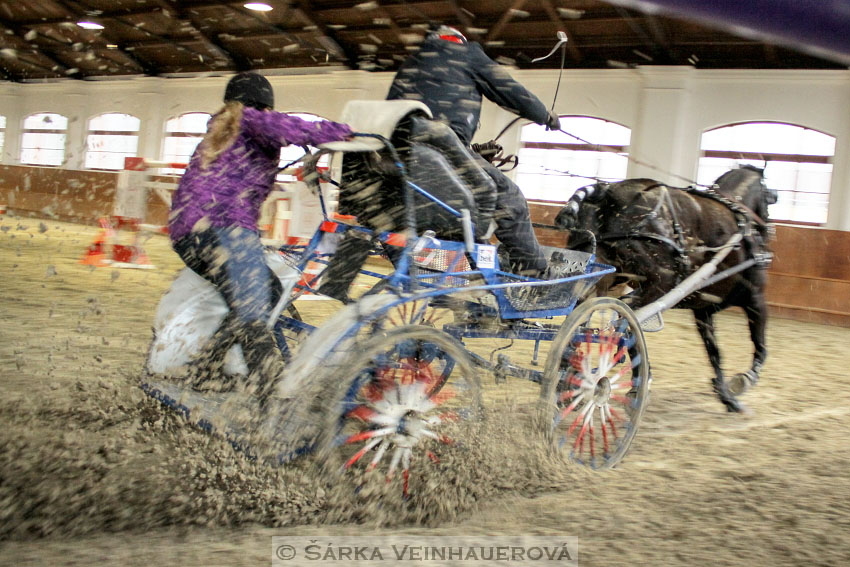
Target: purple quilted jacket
231	190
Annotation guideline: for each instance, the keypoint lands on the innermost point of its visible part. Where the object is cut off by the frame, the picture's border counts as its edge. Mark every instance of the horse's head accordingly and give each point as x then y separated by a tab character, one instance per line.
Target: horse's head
746	185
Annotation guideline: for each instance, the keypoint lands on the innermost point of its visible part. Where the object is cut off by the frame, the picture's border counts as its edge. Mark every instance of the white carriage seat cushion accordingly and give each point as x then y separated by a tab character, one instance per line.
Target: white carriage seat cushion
374	117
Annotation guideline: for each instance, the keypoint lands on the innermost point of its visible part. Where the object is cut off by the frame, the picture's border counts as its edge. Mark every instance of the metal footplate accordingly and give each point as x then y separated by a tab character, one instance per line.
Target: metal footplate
236	417
571	262
654	324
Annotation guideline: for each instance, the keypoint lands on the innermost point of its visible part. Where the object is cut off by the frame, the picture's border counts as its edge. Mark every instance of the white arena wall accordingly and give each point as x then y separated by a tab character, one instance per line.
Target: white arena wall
667	108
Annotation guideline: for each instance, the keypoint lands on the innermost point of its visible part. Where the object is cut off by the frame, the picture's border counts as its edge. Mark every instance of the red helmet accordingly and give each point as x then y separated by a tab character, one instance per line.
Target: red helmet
451	34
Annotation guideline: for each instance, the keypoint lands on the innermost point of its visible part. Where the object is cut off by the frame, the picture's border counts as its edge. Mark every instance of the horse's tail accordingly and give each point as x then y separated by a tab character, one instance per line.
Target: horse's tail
568	215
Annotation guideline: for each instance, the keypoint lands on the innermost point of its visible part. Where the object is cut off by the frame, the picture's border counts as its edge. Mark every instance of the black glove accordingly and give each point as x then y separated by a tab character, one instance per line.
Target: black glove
553	122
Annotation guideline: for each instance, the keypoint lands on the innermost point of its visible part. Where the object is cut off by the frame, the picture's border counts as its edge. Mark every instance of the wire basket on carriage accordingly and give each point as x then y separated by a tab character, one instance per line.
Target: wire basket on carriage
578	271
438	264
555	296
518	296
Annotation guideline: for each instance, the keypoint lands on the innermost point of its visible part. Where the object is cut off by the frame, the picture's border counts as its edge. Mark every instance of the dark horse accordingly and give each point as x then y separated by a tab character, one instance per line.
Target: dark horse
657	235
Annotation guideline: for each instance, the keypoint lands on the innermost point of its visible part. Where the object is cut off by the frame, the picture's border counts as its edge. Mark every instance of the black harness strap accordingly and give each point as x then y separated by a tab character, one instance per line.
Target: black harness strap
670	243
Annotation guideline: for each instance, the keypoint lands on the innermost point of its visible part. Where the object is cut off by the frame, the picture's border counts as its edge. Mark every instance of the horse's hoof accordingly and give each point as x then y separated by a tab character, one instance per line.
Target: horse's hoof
740	383
734	406
744	410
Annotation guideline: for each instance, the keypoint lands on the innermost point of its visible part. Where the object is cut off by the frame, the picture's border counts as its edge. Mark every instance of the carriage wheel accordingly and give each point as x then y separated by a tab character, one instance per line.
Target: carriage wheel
403	396
596	383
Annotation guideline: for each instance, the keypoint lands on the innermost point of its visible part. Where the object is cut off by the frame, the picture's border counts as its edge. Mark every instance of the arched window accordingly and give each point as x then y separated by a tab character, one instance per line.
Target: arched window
111	138
289	154
182	135
797	162
2	135
552	165
43	139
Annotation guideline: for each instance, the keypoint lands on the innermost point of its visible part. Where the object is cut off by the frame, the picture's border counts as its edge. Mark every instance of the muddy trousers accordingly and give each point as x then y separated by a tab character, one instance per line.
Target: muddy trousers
232	259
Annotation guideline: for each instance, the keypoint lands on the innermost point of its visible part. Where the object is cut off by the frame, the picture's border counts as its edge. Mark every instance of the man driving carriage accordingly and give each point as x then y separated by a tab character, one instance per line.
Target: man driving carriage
451	76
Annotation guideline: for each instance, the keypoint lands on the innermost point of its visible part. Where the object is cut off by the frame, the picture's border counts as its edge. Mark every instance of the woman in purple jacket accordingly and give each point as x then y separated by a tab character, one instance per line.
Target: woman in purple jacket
213	222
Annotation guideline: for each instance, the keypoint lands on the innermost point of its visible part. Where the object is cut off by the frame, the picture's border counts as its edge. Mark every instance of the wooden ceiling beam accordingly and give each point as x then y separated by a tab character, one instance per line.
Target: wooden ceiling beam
556	19
326	36
494	32
24	58
253	16
213	43
464	19
655	40
104	14
385	15
80	9
18	32
659	34
770	54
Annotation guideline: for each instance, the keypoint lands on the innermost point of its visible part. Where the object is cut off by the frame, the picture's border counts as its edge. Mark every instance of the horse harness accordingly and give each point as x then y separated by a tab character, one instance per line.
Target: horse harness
744	217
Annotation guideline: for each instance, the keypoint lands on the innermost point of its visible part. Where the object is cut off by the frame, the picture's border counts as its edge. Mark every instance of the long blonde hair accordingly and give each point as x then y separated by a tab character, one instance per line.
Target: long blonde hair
221	133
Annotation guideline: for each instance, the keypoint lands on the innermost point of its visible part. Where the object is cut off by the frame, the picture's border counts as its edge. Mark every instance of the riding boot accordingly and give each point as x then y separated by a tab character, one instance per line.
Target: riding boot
264	360
343	268
205	372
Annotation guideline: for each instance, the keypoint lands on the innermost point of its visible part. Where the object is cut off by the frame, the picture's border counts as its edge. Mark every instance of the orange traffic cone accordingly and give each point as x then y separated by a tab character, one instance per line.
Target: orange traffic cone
130	256
96	253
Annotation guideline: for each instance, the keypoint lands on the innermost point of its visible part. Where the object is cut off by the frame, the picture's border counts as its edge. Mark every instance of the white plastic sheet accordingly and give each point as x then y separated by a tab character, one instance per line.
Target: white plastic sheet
191	311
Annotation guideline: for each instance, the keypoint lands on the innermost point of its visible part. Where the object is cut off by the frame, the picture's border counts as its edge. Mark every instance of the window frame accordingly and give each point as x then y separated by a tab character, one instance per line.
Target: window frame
25	131
620	150
111	133
768	157
180	134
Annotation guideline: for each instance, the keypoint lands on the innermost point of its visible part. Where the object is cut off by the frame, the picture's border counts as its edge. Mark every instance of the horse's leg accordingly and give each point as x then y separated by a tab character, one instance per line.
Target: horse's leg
705	324
756	310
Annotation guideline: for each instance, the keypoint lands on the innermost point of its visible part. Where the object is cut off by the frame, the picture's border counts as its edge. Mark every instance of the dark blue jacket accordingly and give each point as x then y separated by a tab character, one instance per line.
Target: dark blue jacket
451	78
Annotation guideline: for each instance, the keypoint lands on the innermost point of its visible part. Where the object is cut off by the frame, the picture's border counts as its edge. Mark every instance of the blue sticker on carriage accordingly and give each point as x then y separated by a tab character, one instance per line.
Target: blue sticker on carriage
486	256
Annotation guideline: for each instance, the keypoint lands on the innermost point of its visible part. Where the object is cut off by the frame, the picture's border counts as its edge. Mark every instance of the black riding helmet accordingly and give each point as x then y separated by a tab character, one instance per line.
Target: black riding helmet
251	90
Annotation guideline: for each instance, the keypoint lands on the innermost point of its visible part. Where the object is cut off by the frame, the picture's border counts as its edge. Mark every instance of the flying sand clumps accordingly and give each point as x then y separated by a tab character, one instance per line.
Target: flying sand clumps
115	460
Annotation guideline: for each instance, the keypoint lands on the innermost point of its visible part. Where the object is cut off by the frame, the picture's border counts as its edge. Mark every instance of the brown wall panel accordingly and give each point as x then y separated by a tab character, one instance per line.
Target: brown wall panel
827	295
545	213
812	252
80	196
809	279
808	315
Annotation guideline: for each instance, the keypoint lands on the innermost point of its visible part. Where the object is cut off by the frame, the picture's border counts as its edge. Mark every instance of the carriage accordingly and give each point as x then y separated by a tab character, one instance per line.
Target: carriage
396	376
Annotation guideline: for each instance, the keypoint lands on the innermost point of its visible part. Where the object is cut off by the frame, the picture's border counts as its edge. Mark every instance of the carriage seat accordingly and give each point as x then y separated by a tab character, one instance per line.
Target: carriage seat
374	117
371	190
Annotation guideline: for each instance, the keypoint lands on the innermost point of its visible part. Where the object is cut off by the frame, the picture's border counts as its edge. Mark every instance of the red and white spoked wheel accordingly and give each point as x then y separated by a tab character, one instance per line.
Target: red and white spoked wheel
596	383
408	395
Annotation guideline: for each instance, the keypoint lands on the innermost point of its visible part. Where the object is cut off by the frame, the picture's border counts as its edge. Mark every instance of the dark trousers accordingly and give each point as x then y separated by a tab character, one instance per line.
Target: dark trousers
512	217
513	225
232	259
344	266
